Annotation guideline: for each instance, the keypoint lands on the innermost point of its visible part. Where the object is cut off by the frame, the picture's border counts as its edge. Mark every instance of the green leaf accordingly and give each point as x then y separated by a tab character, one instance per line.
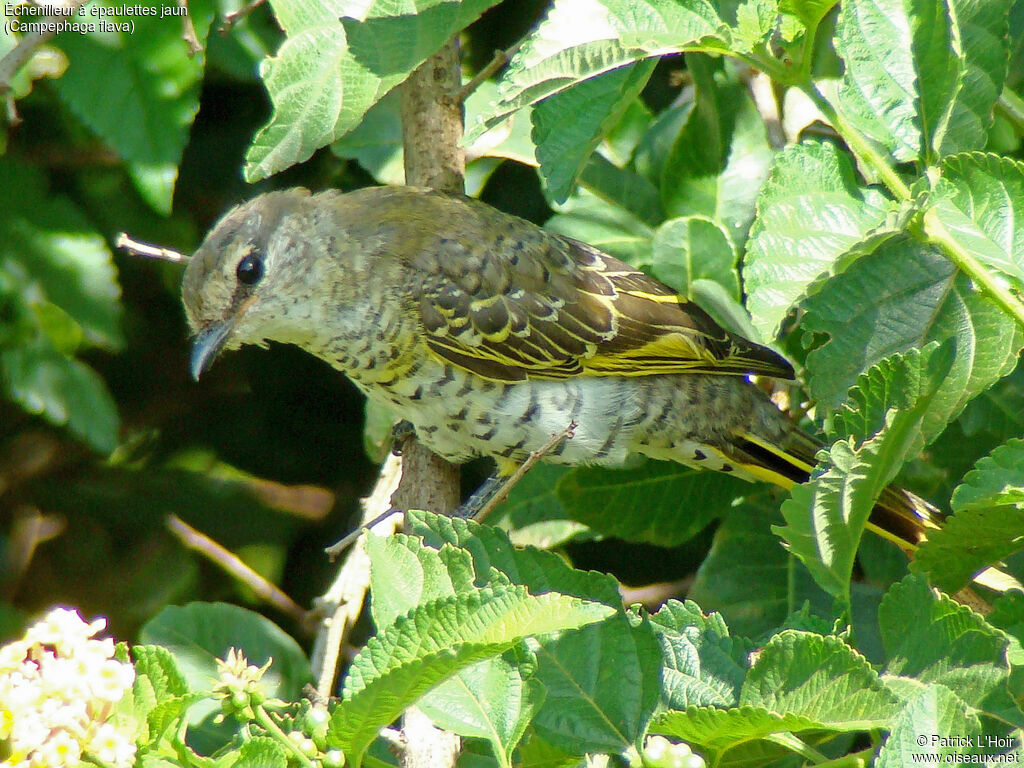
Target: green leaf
701	664
921	79
744	552
405	574
160	691
579	39
825	517
605	225
810	12
568	126
933	639
902	296
988	523
721	156
900	382
262	752
147	96
800	682
979	199
331	70
419	651
50	253
588	708
693	248
492	550
533	513
64	391
197	634
813	222
819	678
390	38
623	187
934	714
494	699
643	503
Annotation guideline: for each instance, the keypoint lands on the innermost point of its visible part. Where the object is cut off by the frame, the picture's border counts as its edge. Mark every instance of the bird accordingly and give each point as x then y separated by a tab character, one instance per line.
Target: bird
490	334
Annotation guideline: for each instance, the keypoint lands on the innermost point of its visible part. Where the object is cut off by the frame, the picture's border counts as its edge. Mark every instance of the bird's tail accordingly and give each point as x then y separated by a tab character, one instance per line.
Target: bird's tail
899	516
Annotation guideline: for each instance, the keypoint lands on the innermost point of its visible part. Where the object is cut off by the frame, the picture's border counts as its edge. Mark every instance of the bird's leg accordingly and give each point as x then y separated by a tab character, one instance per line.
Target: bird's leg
401	432
481	498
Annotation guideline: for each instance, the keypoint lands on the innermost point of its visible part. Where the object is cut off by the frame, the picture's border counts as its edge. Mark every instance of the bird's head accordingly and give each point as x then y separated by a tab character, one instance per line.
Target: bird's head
250	281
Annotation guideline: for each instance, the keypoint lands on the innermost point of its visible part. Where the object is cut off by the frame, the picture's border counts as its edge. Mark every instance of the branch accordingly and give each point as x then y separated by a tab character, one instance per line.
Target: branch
432	128
522	469
188	31
232	564
233	18
501	58
135	248
343	602
22	52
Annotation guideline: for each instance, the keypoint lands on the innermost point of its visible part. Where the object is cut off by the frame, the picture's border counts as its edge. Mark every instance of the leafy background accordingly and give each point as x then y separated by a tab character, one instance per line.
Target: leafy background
858	204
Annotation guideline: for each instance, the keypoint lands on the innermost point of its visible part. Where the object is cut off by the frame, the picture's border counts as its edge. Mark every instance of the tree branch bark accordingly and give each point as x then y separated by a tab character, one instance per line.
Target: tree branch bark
432	127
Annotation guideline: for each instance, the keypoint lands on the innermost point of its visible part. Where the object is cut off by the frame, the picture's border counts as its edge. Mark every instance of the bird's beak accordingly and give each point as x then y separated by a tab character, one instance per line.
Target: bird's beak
208	345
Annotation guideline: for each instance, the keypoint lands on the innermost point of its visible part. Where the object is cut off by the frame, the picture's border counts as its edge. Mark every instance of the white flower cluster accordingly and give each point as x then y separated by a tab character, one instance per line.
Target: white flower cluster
59	689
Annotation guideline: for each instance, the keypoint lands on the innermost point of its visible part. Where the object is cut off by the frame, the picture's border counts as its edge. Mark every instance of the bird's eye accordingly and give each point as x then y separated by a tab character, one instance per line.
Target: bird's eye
249	270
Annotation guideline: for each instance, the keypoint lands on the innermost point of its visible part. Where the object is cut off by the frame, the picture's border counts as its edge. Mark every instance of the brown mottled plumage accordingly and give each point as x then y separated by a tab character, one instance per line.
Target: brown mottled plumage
490	334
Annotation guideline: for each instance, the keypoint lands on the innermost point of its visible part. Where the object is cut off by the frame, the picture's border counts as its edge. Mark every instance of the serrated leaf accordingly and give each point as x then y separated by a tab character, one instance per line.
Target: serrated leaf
721	156
583	38
407	659
331	70
988	523
813	221
156	82
62	390
931	638
587	707
744	552
719	730
979	199
693	248
405	574
262	752
820	678
701	664
899	382
902	296
491	550
160	691
660	503
494	699
921	78
390	38
937	711
825	517
568	126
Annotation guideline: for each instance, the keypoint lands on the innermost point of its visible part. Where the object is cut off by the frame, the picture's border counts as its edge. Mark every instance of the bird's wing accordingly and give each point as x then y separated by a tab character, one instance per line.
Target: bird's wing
554	308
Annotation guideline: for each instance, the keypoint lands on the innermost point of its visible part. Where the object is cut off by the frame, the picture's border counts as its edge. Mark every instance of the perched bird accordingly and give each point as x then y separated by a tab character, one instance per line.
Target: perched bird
489	335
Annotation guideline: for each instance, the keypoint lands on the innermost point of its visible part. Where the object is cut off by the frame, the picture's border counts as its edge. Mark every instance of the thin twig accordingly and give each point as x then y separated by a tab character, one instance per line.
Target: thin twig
501	59
22	52
232	564
135	248
335	550
525	467
233	18
188	31
343	602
